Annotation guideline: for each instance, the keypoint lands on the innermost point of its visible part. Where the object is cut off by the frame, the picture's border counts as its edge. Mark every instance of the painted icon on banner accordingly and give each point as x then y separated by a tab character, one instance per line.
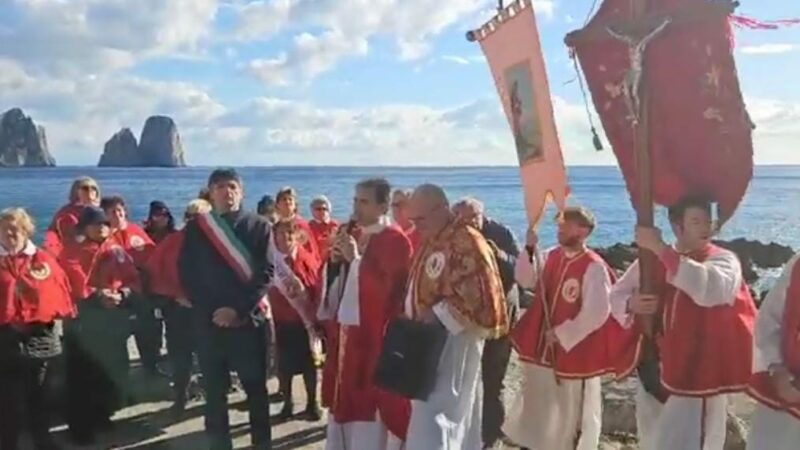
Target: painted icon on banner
524	115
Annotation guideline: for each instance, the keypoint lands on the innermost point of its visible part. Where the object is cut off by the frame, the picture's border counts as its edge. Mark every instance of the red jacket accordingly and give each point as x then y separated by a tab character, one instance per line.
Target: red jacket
306	268
33	288
306	237
161	267
321	232
62	228
135	241
91	266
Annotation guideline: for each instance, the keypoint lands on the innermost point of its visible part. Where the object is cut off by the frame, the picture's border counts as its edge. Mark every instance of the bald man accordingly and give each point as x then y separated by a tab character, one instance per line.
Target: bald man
454	282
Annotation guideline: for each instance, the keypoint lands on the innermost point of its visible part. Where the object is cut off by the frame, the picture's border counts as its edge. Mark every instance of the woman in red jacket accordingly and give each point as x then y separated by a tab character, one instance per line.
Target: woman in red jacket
34	293
292	296
286	207
104	282
84	192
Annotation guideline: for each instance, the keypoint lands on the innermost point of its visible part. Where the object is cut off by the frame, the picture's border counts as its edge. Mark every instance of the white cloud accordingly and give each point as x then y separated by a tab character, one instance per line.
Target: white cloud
768	49
464	60
88	36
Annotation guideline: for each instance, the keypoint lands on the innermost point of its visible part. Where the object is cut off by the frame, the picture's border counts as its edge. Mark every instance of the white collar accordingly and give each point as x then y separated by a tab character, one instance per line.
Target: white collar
29	250
383	222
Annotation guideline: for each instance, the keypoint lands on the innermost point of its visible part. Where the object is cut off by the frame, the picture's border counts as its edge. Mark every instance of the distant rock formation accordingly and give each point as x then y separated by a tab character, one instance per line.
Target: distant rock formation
22	142
160	146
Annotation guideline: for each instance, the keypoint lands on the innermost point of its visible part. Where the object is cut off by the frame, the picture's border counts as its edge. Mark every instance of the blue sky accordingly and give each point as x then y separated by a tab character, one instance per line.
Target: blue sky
324	81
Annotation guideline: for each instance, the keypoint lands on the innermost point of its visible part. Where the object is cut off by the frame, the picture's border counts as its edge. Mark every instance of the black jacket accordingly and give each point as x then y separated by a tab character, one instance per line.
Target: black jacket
506	259
210	282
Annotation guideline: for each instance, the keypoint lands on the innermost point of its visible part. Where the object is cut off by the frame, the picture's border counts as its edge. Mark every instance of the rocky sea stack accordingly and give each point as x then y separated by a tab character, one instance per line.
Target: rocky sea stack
22	142
159	146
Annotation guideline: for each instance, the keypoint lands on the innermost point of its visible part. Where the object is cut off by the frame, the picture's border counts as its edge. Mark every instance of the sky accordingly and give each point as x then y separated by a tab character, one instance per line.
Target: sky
325	82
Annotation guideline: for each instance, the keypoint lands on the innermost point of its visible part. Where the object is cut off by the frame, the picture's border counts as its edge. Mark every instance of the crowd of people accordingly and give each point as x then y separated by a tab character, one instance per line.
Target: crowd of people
236	288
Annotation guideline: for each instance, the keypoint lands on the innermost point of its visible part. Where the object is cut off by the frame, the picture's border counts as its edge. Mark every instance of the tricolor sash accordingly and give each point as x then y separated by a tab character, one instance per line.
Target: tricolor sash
224	240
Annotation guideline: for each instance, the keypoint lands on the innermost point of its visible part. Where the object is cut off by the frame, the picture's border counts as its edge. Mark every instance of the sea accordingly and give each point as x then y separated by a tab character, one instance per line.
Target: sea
770	211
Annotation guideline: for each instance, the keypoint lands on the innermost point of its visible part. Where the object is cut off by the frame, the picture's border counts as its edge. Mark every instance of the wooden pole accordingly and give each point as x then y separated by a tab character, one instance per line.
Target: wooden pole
644	173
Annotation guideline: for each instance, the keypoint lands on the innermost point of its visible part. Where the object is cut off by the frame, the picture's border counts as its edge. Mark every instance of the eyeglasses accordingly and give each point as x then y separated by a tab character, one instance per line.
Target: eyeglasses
321	208
87	188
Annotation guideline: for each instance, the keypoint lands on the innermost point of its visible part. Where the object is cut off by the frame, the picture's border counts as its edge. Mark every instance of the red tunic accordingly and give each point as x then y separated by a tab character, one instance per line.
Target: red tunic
161	267
306	268
414	237
704	351
562	286
33	289
306	237
761	386
62	228
135	241
91	266
353	351
322	232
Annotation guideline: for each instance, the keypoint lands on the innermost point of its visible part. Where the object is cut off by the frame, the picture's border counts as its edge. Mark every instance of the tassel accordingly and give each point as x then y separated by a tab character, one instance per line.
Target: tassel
598	144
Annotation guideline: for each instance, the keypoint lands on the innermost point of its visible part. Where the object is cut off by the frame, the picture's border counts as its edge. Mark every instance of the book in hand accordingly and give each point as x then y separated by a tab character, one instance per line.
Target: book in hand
410	358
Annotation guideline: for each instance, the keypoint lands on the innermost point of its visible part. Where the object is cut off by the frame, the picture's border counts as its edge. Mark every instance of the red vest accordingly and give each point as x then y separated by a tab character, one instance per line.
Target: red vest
33	289
161	267
322	232
135	241
306	268
91	266
62	228
561	287
761	387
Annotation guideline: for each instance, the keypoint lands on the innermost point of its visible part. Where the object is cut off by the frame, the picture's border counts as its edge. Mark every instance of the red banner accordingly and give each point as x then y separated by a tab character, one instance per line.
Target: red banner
699	130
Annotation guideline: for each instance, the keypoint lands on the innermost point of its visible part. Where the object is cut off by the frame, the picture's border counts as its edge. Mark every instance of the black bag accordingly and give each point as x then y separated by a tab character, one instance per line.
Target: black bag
410	358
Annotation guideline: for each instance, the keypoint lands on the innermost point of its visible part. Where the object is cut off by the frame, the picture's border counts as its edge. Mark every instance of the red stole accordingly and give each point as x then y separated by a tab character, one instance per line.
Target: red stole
33	289
321	233
62	228
135	241
161	267
353	351
561	287
761	386
91	266
306	268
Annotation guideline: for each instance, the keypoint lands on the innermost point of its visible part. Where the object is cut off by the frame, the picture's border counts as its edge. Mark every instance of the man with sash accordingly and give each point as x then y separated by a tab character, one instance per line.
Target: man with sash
454	282
372	259
704	316
776	363
562	340
223	268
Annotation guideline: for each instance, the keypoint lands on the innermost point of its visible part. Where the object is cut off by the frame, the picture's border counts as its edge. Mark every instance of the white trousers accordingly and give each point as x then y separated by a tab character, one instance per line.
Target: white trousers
773	430
685	423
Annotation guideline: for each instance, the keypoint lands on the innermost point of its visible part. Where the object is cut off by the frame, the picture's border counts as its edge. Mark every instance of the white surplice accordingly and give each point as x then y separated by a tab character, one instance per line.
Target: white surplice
550	415
685	423
450	419
772	429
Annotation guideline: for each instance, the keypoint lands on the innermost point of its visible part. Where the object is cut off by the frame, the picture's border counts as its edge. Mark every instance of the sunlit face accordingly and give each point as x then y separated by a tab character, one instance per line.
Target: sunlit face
571	234
286	206
285	239
88	194
97	232
12	236
429	217
401	209
366	208
696	229
117	216
226	195
469	215
321	212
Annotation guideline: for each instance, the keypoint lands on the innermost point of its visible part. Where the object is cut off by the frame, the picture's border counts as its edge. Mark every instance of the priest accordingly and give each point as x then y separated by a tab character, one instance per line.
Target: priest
706	317
372	259
563	340
455	282
776	362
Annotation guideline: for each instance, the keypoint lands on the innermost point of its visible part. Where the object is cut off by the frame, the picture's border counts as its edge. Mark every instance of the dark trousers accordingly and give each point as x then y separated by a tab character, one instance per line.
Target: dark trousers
23	389
148	331
494	364
243	350
180	346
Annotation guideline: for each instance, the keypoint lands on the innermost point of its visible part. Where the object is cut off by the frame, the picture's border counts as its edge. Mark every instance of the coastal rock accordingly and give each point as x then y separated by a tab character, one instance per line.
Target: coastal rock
22	142
160	144
121	150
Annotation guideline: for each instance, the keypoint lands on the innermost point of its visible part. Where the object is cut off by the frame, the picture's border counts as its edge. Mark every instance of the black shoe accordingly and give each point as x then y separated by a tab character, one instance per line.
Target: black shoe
313	413
286	412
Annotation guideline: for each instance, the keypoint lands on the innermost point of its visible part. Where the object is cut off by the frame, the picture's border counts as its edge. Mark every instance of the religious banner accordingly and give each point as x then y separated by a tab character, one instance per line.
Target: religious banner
680	57
511	44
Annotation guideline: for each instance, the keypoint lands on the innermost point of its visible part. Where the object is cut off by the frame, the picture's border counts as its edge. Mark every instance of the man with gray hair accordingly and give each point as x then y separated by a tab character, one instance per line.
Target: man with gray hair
454	282
497	352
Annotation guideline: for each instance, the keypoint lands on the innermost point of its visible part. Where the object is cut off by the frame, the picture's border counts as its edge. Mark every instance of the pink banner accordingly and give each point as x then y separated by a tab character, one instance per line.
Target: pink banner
511	44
